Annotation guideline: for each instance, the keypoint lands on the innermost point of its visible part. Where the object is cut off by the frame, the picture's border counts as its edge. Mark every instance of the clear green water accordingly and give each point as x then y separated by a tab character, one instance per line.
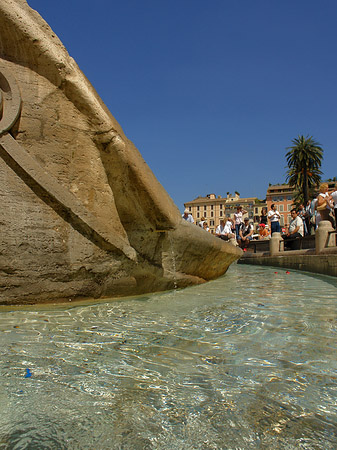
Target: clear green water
245	362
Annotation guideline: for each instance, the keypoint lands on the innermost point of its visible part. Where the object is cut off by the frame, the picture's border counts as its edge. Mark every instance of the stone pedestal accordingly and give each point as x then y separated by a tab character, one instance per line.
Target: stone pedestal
274	245
323	239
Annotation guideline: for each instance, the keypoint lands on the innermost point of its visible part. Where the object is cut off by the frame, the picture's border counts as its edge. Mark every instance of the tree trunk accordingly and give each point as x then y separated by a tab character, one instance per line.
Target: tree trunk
305	186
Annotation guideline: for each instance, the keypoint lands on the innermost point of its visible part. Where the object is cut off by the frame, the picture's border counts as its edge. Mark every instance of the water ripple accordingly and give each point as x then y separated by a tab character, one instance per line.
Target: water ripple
229	364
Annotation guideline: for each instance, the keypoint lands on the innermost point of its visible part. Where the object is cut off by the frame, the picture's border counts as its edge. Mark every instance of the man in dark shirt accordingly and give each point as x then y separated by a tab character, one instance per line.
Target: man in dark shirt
245	233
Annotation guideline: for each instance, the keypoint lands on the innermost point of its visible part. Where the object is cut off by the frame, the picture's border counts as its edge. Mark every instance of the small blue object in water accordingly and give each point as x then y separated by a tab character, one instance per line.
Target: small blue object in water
28	373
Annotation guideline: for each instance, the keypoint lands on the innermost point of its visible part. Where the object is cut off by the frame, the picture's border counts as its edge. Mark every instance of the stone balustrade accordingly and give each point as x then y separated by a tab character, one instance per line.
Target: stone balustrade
325	237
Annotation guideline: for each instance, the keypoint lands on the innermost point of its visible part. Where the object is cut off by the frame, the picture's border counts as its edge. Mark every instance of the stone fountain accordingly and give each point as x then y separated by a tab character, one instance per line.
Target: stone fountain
82	216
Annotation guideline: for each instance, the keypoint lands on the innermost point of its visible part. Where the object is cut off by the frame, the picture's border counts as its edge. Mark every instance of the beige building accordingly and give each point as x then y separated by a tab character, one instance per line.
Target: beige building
214	207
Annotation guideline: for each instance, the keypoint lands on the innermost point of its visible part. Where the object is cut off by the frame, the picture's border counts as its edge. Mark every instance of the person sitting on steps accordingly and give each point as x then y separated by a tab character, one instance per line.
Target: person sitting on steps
295	230
245	233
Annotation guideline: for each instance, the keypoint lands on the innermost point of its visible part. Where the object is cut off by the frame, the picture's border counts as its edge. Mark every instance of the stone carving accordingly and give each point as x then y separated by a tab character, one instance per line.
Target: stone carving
34	174
82	214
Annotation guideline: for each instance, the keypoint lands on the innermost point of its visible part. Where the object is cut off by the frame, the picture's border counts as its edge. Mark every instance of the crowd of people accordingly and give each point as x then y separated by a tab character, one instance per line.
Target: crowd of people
304	220
239	230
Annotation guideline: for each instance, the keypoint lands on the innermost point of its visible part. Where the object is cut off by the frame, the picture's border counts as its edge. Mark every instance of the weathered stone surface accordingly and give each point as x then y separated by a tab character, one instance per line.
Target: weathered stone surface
82	213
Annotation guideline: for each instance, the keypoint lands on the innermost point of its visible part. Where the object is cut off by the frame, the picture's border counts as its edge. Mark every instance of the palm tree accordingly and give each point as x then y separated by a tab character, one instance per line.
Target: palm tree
304	160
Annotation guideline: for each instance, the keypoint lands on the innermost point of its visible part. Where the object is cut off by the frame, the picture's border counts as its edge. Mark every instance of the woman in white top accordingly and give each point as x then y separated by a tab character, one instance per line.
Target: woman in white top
324	202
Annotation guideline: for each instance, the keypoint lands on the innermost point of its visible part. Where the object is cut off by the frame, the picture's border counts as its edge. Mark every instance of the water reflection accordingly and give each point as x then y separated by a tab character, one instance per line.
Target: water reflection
247	361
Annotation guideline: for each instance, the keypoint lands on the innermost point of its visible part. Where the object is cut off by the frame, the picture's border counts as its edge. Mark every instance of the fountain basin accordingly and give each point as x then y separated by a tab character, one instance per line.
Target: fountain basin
244	361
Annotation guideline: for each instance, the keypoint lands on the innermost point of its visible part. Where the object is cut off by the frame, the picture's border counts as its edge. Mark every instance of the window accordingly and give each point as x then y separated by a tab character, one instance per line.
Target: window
205	214
282	220
212	214
190	208
220	206
289	197
256	210
288	218
289	207
212	207
204	207
198	208
211	223
198	215
220	214
281	208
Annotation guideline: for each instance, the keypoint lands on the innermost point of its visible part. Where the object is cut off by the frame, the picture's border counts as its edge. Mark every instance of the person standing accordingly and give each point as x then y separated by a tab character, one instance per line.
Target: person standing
264	217
308	216
324	202
316	217
201	223
334	198
238	220
302	213
274	217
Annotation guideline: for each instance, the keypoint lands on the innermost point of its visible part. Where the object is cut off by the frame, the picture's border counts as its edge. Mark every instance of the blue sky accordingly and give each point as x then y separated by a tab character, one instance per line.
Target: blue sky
211	93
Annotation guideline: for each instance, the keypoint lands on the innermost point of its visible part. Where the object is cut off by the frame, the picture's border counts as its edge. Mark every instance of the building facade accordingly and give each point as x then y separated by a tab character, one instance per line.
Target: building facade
213	208
282	196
